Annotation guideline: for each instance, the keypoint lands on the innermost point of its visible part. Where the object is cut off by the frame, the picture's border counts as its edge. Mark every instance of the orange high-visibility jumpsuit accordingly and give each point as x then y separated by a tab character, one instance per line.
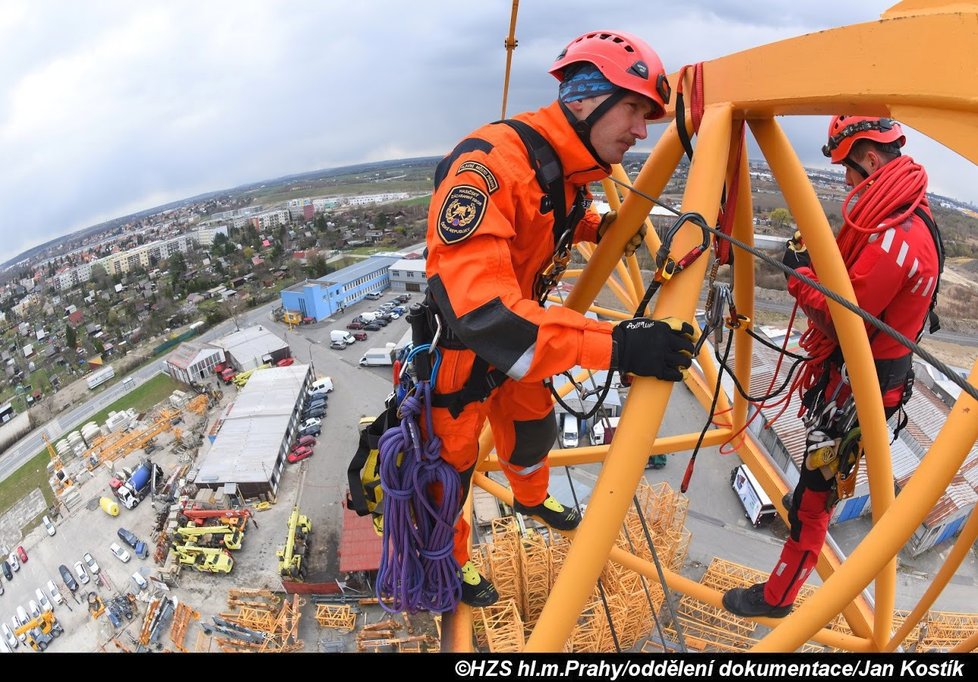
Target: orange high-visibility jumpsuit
487	241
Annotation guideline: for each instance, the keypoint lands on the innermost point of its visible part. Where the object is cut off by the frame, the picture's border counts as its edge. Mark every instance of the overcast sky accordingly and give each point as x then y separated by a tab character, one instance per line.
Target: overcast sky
112	107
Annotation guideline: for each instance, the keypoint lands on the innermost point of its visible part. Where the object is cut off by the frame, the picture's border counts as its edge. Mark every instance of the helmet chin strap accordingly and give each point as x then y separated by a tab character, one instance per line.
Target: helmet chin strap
583	128
848	162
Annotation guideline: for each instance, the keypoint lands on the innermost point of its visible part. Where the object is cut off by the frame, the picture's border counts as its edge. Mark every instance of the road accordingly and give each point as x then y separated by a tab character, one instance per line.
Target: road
28	446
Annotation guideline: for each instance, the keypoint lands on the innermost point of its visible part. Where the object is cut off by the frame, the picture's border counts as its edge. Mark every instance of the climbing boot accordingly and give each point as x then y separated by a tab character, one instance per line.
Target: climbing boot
750	603
476	590
552	513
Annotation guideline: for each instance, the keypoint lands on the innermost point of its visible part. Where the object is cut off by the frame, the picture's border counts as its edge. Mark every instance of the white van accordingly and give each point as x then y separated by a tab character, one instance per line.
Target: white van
322	384
569	437
340	336
757	505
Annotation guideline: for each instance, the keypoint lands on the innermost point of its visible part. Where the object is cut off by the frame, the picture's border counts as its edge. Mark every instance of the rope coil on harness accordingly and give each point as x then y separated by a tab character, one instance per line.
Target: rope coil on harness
417	569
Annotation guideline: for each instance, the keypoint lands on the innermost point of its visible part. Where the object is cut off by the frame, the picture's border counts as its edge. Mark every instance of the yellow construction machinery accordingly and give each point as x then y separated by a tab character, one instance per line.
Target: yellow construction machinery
96	606
212	536
40	631
204	559
242	378
59	479
291	318
291	558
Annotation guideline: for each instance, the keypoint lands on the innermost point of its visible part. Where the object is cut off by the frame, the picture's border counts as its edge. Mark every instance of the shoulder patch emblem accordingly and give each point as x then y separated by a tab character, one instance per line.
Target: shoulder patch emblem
475	167
461	213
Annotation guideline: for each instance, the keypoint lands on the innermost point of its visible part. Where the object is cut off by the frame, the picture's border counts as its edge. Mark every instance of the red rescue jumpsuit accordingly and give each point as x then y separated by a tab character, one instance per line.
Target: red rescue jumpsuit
487	241
894	279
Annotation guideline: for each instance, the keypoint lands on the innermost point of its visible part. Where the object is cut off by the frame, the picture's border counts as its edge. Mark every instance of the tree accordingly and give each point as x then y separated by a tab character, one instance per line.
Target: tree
780	217
71	337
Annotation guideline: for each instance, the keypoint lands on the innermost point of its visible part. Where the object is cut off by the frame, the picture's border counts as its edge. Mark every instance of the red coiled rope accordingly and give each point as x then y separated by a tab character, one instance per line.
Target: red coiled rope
886	198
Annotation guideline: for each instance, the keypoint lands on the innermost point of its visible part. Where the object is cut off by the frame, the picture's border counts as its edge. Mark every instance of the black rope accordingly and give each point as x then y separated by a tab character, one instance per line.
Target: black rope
684	486
648	594
828	293
666	592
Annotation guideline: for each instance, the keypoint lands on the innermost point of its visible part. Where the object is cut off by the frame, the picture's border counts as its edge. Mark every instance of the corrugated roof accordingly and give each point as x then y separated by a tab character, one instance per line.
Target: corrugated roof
357	270
251	440
250	344
360	546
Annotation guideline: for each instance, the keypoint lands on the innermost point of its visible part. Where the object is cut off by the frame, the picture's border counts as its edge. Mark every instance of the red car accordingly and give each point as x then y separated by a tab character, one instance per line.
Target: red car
22	554
299	453
360	336
285	362
355	325
306	440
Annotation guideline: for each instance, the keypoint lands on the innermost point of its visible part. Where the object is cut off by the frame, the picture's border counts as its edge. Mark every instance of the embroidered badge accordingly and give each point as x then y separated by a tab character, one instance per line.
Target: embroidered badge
475	167
461	213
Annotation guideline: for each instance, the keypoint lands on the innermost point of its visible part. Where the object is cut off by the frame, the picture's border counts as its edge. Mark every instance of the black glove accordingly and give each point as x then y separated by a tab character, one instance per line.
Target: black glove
653	348
795	254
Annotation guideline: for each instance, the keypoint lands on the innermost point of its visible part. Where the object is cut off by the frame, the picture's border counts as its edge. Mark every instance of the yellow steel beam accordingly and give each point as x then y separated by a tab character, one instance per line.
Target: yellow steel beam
648	397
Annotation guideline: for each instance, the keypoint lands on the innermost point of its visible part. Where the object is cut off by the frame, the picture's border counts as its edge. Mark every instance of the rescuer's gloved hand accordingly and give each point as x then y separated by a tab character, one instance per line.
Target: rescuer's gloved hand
653	348
796	254
636	241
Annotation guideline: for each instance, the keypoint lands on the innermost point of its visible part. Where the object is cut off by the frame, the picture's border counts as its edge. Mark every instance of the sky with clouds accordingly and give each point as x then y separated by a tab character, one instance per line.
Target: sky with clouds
109	107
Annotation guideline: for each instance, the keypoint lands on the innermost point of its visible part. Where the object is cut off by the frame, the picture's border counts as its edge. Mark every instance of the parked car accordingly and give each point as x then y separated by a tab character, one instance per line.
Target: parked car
8	636
319	401
81	573
306	440
372	327
355	325
360	336
68	578
374	295
22	554
14	562
34	609
314	412
139	580
336	345
300	453
311	421
91	563
312	430
119	553
42	600
54	593
315	395
128	537
48	526
285	362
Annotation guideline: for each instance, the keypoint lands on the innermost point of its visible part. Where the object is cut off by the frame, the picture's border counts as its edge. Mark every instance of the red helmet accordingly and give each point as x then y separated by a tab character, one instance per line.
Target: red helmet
845	130
623	59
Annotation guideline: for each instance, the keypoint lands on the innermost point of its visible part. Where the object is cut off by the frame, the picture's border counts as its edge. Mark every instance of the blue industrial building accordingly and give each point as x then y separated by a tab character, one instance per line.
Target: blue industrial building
320	298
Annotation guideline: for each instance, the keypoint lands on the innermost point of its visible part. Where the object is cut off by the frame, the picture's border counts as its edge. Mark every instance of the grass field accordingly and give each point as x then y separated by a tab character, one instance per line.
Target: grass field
33	474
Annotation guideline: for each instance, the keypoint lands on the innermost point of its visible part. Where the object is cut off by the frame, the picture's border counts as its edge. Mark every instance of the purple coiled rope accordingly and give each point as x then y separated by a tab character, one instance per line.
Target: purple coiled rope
417	569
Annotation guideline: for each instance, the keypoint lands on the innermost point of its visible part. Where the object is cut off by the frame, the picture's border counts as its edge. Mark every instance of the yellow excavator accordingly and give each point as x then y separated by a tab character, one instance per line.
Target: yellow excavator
291	557
212	536
204	559
40	631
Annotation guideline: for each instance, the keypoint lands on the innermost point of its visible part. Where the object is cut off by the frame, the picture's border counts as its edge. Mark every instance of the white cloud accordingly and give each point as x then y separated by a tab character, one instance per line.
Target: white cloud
108	106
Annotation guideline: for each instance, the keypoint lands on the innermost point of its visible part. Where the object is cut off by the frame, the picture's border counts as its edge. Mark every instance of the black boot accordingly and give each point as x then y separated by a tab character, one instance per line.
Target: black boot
750	603
477	591
552	513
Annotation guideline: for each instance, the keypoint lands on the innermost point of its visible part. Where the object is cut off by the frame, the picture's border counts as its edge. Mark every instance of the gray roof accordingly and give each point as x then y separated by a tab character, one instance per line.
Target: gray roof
251	440
358	270
250	343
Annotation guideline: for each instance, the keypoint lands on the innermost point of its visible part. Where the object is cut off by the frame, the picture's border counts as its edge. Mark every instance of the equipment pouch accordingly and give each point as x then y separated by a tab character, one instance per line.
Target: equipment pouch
365	495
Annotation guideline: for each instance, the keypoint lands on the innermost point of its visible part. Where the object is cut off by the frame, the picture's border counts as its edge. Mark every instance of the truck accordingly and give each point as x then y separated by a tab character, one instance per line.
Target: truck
378	357
212	536
341	336
204	559
97	378
758	507
138	485
228	374
39	632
